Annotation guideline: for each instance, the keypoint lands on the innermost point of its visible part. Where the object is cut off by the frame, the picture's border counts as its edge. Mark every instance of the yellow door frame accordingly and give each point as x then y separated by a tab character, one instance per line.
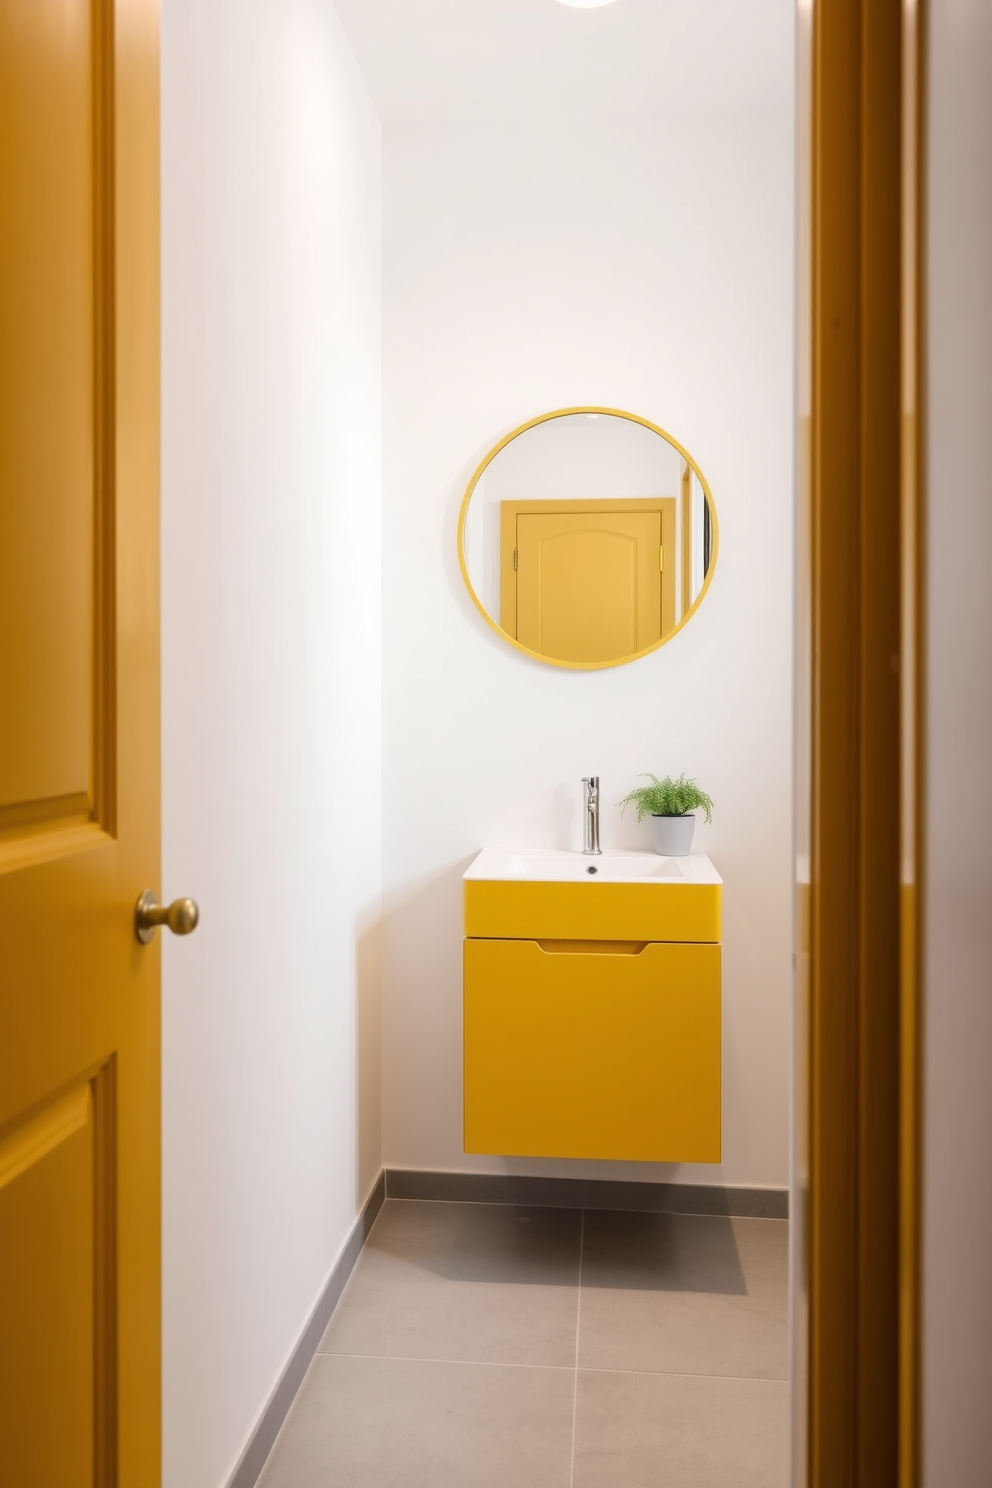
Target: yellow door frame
686	538
859	704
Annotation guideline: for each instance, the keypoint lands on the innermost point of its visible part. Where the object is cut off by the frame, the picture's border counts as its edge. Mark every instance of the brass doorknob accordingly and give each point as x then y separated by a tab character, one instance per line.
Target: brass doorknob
181	916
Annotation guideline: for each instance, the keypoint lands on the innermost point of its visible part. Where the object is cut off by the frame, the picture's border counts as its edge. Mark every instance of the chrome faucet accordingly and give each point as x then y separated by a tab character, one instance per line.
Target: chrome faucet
590	821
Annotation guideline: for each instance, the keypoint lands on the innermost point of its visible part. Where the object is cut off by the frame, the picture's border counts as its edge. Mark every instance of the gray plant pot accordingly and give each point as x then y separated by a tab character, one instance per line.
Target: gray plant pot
673	834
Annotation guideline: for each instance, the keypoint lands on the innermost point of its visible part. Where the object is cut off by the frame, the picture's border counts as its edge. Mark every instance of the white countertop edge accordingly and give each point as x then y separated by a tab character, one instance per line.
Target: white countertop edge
492	865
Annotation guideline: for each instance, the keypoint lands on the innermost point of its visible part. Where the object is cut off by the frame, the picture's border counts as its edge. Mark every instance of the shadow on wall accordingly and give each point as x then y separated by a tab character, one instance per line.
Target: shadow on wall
422	1000
368	1061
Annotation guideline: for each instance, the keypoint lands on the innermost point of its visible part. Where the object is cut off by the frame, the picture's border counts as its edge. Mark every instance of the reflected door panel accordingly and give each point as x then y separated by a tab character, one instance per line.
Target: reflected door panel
586	582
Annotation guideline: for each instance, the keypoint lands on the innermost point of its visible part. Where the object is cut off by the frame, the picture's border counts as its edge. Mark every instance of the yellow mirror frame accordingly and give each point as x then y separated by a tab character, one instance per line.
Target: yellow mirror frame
543	418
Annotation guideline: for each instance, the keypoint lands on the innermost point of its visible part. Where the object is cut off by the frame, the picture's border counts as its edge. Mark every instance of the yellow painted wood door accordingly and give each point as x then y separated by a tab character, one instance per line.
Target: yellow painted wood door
607	1052
585	581
79	744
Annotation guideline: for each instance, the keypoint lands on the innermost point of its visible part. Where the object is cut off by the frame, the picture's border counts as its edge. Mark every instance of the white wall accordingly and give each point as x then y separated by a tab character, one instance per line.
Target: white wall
957	1237
641	265
271	690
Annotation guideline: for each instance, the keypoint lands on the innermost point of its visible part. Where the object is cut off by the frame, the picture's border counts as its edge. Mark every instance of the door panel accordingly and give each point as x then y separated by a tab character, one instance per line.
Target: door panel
47	1306
50	192
79	743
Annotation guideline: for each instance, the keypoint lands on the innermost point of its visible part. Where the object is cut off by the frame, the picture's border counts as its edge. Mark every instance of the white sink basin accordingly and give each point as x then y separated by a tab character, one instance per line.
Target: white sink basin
538	865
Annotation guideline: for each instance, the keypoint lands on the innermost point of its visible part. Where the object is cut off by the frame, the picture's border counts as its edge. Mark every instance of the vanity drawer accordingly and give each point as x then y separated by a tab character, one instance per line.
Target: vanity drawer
504	910
591	1049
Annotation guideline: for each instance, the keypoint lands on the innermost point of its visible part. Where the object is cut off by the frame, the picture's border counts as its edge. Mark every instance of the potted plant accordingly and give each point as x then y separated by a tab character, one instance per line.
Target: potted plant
670	804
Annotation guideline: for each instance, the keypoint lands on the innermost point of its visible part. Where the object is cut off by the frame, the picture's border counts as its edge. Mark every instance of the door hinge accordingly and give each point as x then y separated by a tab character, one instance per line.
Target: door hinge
661	560
514	560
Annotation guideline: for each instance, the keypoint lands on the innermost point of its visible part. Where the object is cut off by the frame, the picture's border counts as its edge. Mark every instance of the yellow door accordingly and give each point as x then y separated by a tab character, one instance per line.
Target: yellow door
584	581
79	743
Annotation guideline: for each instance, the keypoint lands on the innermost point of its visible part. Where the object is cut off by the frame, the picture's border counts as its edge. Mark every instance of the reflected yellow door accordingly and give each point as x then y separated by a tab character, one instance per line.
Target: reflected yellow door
79	744
584	581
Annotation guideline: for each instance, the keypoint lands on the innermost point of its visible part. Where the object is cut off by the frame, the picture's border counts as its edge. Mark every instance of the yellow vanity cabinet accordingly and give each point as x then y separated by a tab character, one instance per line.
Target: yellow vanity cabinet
602	1048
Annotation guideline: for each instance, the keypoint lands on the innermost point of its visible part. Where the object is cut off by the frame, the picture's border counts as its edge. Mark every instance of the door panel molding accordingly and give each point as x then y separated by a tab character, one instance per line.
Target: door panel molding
104	786
33	1138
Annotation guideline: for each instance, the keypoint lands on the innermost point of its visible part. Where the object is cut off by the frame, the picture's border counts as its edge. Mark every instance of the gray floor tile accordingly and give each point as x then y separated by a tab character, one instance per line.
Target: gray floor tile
685	1294
484	1282
390	1423
672	1431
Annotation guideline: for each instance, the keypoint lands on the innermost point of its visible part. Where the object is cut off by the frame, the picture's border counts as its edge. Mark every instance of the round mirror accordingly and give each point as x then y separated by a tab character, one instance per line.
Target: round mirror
587	537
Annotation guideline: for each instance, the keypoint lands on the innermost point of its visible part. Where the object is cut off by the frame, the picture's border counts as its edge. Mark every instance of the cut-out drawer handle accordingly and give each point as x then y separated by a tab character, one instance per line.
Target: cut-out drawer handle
593	947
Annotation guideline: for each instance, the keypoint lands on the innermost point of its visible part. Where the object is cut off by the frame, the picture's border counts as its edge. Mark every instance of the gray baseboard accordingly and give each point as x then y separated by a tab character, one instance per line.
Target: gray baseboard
587	1193
262	1439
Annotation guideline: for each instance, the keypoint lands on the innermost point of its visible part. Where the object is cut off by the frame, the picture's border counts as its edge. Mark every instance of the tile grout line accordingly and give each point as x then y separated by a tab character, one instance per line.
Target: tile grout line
748	1379
456	1363
578	1318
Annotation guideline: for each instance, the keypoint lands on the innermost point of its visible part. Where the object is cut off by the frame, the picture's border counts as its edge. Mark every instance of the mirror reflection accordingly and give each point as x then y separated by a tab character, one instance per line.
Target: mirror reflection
588	537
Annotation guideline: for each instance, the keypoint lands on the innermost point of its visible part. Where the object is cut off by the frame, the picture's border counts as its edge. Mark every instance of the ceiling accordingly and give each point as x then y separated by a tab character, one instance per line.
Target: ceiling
499	61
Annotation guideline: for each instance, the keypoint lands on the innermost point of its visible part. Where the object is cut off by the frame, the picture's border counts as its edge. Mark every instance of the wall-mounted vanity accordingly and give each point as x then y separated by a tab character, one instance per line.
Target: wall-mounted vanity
592	1006
592	1022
